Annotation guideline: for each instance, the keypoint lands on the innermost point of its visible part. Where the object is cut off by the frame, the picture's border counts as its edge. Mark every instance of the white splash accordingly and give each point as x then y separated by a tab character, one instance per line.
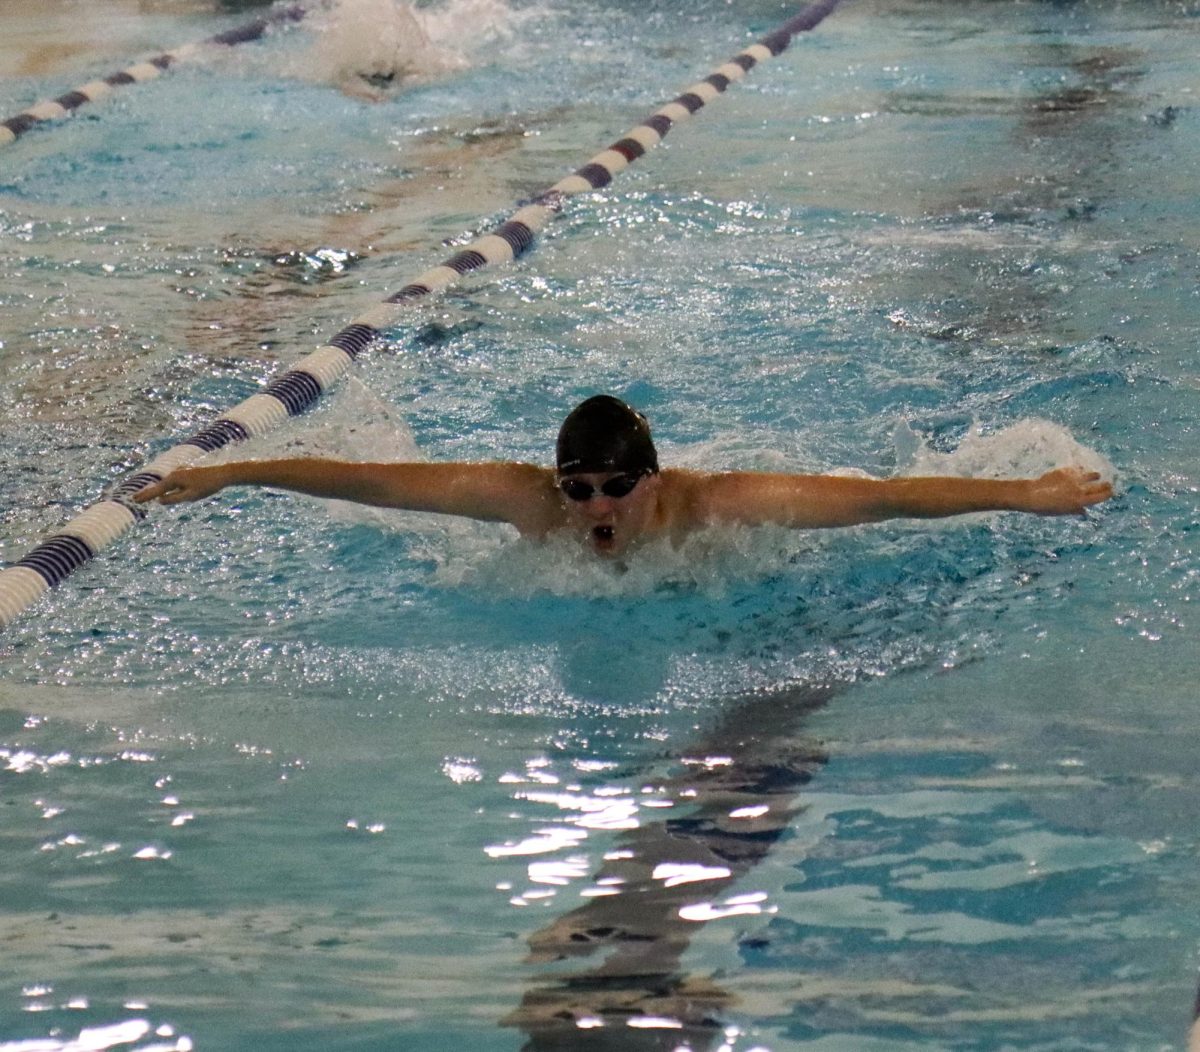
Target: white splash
1025	449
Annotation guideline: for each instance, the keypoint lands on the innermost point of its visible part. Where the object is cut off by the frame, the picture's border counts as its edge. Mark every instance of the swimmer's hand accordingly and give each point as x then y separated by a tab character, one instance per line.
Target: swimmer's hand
1065	491
185	484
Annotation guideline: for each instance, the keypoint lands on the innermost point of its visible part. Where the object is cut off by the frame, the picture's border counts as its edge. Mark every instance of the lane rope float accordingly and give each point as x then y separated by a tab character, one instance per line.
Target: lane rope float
66	105
296	390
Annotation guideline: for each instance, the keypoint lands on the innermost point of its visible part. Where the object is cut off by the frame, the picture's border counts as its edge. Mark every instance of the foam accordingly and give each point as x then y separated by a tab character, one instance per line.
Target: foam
1025	449
708	562
482	22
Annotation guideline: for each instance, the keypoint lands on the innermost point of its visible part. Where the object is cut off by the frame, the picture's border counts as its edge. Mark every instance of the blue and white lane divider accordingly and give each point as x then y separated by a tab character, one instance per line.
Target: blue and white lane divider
296	390
93	91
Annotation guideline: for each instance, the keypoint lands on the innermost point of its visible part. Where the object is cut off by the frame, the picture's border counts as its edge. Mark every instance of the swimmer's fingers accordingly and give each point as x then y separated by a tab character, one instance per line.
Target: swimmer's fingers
1087	487
1094	488
176	493
150	492
180	486
1068	491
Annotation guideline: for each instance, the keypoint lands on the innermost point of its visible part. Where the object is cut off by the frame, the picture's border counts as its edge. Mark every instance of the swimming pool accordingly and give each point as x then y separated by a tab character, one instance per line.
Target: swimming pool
284	774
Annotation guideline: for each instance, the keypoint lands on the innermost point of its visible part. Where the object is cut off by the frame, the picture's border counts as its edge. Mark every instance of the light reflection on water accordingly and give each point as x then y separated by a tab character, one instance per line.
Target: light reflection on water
127	1034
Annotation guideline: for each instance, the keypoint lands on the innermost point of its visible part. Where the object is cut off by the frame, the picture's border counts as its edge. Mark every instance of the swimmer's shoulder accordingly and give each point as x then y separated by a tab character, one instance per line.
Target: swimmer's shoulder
531	498
683	497
693	500
684	481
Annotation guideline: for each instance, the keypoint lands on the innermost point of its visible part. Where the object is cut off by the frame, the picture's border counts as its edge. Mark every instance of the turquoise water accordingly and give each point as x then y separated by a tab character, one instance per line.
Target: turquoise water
281	774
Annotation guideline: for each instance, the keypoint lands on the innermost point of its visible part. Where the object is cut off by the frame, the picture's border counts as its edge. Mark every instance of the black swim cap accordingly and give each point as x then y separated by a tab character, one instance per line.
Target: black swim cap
605	434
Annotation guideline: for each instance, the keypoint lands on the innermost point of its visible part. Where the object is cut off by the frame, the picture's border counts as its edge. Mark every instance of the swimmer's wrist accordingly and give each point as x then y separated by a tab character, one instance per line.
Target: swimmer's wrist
1019	494
222	475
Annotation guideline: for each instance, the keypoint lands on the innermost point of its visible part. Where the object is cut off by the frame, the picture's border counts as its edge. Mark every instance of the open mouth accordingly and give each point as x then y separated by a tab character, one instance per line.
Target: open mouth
602	535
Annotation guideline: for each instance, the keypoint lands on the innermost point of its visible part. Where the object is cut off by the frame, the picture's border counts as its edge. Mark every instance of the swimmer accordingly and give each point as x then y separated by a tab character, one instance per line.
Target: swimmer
607	488
367	48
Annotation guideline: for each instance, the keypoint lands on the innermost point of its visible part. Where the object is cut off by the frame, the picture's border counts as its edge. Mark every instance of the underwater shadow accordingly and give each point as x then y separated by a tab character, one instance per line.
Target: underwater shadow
737	789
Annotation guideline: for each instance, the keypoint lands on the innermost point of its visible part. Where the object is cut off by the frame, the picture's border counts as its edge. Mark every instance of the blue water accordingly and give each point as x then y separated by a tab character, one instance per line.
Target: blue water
281	774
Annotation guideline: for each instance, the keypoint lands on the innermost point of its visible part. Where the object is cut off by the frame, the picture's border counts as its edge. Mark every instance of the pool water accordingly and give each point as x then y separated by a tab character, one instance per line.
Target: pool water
278	773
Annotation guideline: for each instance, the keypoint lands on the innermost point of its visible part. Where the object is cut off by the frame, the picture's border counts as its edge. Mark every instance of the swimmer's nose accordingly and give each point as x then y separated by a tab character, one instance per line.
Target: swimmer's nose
600	506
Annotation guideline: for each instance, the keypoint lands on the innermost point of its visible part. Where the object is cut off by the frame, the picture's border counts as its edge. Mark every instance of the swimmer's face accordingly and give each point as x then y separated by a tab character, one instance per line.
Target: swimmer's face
609	509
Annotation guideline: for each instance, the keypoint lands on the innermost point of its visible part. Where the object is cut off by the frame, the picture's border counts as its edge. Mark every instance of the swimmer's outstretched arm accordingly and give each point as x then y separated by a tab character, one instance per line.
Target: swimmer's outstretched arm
504	492
812	501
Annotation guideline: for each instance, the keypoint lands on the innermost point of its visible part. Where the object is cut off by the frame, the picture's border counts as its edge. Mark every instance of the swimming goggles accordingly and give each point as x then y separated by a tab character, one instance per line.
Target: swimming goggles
616	487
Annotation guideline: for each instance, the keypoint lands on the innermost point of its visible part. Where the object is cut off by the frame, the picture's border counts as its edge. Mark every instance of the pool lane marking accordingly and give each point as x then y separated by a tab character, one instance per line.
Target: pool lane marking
150	69
290	394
